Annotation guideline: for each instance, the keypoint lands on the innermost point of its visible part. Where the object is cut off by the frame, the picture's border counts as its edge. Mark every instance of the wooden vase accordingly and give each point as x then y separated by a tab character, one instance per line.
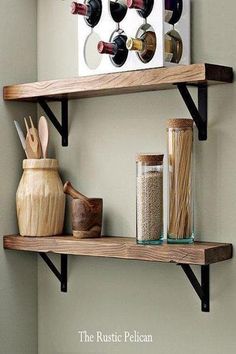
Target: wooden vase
40	199
87	217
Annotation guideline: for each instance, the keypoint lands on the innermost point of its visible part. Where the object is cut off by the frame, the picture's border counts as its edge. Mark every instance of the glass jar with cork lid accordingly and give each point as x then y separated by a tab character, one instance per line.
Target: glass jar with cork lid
149	199
180	146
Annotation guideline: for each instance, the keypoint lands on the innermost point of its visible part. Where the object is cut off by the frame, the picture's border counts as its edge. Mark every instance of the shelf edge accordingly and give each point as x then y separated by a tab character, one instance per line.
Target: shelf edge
119	83
123	248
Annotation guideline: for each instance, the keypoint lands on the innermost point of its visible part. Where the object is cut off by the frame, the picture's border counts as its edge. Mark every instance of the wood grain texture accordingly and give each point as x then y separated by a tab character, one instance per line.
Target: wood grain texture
86	213
87	217
40	200
199	253
119	83
43	131
32	145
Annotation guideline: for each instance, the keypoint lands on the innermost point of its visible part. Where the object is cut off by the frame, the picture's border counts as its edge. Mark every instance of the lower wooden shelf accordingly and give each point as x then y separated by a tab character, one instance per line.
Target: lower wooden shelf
200	253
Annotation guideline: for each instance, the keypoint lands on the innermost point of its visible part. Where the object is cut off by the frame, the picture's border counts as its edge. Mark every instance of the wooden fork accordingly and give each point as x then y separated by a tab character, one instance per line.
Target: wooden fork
33	145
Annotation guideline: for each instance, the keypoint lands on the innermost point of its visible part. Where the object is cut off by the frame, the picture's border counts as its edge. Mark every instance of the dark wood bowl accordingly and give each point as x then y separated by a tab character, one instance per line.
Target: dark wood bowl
87	217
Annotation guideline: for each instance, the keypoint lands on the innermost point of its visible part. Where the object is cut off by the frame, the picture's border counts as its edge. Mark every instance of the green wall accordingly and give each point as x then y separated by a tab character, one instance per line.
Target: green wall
18	271
105	134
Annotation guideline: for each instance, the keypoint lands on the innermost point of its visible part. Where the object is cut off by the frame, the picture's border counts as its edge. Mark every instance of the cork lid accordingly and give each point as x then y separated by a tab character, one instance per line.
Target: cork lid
180	123
40	164
150	159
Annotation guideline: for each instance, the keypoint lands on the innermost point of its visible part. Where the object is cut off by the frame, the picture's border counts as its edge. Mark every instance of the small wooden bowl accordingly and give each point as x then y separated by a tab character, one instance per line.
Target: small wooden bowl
87	217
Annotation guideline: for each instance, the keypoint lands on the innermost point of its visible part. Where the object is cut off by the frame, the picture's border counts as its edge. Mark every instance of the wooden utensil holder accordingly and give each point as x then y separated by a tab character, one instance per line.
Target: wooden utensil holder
40	199
87	217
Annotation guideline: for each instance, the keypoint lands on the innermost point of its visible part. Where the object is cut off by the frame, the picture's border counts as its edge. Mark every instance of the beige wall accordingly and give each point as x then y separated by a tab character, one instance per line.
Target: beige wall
18	271
105	134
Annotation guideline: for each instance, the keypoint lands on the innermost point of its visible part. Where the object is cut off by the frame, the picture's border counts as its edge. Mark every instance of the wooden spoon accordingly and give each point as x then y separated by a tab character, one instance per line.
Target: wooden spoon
43	135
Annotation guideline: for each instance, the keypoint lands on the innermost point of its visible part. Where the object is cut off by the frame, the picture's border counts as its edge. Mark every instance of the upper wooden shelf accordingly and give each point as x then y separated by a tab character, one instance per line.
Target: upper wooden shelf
199	253
119	83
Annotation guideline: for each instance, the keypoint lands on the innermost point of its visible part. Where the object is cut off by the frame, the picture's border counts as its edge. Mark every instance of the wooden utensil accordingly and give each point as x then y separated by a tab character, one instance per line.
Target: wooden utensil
33	145
43	135
70	190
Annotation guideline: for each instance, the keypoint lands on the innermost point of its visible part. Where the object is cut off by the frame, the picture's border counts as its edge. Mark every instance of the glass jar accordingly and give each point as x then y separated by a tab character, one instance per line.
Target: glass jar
180	146
149	199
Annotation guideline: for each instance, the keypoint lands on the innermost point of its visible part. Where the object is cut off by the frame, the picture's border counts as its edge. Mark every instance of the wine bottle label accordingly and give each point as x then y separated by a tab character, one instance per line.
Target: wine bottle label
168	15
168	57
168	49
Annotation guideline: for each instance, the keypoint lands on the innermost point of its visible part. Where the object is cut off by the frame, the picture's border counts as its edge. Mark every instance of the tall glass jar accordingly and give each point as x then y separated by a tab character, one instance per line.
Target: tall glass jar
180	146
149	199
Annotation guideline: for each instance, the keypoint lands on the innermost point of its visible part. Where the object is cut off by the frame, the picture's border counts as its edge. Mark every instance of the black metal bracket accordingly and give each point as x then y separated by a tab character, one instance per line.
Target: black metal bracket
62	127
62	275
203	289
199	114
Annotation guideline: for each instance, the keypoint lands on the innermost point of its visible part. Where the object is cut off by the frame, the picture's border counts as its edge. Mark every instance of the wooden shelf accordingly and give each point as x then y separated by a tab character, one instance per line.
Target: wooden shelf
199	253
119	83
199	75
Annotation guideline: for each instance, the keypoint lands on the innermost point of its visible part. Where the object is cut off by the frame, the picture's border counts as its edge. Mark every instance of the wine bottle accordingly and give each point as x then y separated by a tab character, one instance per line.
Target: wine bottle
173	11
91	10
116	49
145	45
144	7
118	10
173	47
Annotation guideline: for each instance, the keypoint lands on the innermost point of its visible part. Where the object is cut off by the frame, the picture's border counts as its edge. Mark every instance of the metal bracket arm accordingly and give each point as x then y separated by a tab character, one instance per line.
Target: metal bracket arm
199	114
203	289
61	276
62	127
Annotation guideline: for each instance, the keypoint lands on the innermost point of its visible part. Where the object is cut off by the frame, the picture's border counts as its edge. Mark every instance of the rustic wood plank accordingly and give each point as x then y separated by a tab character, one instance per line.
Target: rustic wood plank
199	253
119	83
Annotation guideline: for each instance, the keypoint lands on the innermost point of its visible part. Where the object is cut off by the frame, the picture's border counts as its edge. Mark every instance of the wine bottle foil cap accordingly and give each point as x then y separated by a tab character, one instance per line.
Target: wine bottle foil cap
180	123
104	47
150	159
135	4
134	44
100	46
129	43
73	7
78	8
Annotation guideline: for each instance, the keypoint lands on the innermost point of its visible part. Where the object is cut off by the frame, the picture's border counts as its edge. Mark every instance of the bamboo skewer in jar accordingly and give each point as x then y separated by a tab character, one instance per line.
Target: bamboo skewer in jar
180	143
